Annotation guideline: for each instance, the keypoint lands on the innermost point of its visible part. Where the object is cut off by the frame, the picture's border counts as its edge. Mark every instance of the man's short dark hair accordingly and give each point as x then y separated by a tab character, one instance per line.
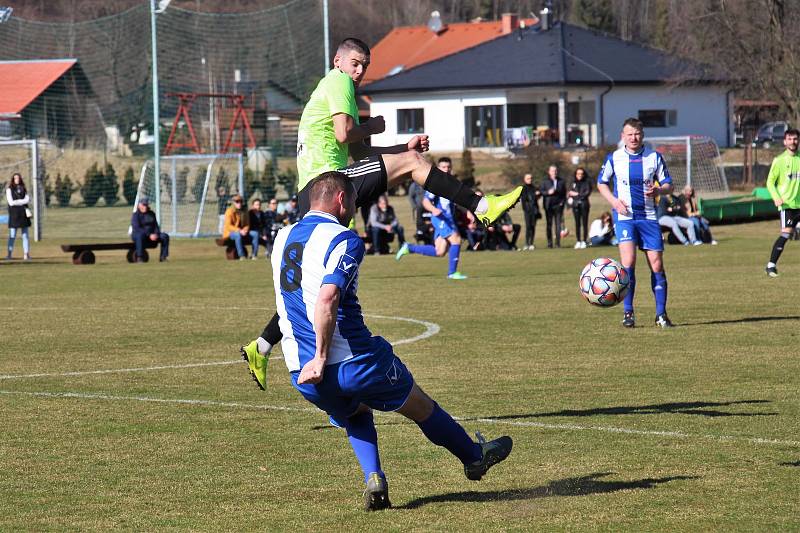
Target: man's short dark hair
352	43
791	131
444	160
327	185
633	122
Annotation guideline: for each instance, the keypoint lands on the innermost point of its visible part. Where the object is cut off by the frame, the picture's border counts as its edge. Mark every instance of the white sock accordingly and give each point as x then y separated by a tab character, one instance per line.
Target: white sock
263	346
771	265
483	206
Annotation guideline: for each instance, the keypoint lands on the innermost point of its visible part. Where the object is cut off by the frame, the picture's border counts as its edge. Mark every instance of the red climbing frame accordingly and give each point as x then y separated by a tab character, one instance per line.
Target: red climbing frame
185	105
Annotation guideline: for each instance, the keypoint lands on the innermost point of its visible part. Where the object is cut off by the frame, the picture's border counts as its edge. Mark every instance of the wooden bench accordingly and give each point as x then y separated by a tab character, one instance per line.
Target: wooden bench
83	254
230	247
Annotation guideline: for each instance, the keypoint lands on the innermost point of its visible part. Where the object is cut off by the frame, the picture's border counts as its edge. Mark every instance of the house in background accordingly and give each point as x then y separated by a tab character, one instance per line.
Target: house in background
558	84
409	46
48	99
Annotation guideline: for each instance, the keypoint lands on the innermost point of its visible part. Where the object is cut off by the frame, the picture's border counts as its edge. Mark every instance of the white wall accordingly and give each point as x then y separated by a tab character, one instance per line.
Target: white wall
701	111
444	116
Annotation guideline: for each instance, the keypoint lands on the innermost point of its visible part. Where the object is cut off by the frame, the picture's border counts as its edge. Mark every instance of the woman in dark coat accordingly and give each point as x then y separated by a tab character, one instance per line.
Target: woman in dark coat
579	194
18	211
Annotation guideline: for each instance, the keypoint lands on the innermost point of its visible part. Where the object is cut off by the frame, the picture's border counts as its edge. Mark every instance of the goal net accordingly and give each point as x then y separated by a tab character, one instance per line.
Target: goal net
194	191
692	160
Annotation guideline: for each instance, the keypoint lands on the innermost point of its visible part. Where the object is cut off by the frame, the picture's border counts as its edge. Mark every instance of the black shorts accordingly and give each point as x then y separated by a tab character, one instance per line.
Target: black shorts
790	218
368	176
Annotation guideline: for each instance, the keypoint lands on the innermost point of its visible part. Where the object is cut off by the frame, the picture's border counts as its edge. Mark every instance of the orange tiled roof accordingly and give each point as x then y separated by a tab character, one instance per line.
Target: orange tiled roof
410	46
21	82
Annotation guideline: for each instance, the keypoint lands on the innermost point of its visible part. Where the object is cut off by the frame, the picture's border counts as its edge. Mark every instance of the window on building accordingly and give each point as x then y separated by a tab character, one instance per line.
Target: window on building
410	120
520	115
484	125
658	118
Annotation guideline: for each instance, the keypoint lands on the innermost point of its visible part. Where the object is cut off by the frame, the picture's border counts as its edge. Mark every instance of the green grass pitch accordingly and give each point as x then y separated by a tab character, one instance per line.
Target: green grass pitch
123	405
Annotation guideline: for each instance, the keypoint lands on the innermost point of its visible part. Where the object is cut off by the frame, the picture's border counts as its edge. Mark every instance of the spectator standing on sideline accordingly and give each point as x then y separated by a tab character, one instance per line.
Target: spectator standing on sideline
384	225
223	199
144	227
19	215
554	194
257	228
601	232
237	225
638	175
291	212
690	210
578	194
783	183
415	195
530	207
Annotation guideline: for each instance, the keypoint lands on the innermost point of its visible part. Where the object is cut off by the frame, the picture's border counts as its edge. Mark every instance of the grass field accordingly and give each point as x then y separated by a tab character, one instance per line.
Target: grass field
124	404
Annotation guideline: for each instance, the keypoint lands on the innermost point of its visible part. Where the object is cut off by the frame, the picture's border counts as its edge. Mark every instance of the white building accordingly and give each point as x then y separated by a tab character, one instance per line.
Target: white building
565	85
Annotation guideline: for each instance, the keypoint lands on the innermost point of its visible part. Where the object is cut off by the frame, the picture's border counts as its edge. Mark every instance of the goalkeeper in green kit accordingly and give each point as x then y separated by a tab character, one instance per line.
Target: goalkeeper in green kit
783	183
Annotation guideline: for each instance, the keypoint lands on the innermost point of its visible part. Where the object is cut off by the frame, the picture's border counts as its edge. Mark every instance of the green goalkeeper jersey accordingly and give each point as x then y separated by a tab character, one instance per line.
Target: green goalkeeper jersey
318	150
783	180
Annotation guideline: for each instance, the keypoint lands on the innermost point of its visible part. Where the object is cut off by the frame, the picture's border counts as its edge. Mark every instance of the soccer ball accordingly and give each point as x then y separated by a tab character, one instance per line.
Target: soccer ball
604	282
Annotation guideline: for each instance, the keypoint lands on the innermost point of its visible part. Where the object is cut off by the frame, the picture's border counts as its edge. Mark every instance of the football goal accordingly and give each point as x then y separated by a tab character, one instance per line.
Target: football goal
193	191
24	157
692	160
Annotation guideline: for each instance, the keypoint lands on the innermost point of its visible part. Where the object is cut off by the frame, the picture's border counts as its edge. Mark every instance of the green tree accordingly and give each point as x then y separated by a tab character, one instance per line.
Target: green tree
199	184
93	185
466	168
111	185
129	186
252	183
63	190
288	180
48	190
181	183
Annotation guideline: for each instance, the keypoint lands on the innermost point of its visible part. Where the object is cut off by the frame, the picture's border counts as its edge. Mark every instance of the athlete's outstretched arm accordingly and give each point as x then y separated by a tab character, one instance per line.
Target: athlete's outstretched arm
324	324
347	131
418	143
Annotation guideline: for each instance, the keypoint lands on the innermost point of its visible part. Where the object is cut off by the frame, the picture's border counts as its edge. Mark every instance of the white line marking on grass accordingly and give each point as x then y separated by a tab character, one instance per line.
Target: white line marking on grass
431	329
539	425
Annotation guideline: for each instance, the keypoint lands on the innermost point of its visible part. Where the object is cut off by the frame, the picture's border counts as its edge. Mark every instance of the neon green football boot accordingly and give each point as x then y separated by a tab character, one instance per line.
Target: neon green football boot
456	275
499	204
256	363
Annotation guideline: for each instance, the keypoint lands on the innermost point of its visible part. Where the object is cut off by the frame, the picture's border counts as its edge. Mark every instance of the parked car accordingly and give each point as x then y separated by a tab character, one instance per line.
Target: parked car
770	133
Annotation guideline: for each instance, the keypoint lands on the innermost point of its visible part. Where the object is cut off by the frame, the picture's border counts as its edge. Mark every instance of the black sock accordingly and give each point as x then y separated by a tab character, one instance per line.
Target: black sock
448	186
777	249
272	331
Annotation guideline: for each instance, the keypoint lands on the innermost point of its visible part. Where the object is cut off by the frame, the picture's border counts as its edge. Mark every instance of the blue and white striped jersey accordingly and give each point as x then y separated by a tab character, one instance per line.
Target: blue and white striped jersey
627	174
441	203
318	250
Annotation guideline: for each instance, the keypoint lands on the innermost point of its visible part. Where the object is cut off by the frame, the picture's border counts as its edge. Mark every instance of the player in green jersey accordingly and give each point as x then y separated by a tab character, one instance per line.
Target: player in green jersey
783	184
330	133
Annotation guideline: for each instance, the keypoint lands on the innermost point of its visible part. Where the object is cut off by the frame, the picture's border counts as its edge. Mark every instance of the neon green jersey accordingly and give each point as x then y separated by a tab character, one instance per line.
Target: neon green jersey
318	150
783	180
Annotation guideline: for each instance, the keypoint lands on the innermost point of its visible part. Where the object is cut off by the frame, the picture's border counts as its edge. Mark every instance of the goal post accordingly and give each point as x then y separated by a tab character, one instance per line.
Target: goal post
692	160
192	191
23	157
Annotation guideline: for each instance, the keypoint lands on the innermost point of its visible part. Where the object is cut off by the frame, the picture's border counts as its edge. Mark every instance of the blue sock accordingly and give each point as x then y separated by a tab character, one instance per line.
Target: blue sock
628	303
442	430
422	249
364	440
455	251
658	280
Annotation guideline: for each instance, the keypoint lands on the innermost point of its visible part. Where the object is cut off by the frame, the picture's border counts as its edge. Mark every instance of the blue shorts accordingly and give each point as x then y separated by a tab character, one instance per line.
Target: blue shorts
380	380
645	233
442	227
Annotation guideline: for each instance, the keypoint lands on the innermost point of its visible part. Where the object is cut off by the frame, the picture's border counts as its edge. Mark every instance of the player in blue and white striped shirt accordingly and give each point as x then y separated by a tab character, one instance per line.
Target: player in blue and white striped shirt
334	360
638	174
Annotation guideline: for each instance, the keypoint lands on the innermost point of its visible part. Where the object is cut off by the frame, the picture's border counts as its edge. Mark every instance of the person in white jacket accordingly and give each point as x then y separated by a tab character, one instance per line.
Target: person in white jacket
18	211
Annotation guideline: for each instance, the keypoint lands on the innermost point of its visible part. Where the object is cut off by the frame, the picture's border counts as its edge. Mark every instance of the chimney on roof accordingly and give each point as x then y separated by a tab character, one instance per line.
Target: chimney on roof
546	16
510	22
435	23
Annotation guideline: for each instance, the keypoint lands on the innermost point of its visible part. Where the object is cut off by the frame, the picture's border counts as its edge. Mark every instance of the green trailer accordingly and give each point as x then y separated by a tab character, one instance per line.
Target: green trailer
744	208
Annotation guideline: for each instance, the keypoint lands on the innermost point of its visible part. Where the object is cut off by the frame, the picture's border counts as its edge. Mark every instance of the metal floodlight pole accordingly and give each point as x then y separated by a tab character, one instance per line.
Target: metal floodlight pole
156	136
325	36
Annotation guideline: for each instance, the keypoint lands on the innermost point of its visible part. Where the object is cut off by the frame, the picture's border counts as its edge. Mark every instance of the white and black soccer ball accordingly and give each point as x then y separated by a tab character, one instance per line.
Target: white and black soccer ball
604	282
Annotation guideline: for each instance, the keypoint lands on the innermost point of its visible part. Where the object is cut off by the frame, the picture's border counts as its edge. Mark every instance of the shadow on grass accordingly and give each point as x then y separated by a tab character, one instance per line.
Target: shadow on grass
576	486
683	408
796	463
740	320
